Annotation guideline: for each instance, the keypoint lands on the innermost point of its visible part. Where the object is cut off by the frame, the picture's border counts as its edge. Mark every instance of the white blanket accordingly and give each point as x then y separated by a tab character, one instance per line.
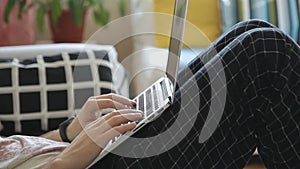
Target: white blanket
27	151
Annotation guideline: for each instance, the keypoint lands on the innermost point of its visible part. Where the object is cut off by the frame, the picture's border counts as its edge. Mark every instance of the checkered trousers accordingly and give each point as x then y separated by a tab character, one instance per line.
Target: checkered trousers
262	107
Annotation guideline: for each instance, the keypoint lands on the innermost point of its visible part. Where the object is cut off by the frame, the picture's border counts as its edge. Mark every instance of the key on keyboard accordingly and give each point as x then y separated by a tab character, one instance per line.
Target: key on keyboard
141	104
164	88
155	95
149	104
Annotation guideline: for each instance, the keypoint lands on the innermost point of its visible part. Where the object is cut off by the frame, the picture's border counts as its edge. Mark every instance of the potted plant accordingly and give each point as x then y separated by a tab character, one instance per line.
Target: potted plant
11	34
66	17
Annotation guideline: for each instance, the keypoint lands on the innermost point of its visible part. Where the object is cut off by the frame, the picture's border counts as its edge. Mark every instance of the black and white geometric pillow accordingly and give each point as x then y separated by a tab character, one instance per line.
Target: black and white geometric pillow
38	94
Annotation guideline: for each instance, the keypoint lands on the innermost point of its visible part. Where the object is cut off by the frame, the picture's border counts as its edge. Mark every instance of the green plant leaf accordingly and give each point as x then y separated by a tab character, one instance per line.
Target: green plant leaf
97	16
77	10
96	2
22	4
92	2
31	5
102	16
122	7
106	17
9	6
55	8
40	14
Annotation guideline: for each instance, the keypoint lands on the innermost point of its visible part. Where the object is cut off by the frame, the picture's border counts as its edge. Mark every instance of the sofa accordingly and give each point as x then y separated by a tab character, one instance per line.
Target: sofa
42	85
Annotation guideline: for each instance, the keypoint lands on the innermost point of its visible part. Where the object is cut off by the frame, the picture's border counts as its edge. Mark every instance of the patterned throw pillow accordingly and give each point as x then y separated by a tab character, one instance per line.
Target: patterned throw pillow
38	94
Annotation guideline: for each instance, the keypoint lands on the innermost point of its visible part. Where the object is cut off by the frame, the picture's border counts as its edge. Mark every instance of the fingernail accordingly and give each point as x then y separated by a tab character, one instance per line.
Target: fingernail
139	111
140	114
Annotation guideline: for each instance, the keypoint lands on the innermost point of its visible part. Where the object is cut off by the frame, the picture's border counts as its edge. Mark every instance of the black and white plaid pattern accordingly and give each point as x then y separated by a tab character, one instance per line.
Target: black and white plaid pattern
37	94
262	67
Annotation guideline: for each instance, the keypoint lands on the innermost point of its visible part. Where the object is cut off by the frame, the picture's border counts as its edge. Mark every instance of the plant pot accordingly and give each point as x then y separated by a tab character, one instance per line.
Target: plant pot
65	30
17	32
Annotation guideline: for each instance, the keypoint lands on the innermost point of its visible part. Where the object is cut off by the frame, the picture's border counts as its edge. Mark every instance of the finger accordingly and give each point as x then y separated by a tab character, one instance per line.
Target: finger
106	103
124	118
101	137
118	98
103	120
119	112
113	132
120	119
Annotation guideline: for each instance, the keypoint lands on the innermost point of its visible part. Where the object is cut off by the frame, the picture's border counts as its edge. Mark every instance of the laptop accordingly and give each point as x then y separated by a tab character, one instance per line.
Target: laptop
160	95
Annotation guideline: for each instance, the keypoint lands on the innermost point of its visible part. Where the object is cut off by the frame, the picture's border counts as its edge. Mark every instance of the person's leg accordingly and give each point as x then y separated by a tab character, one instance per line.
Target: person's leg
222	42
267	73
261	76
195	66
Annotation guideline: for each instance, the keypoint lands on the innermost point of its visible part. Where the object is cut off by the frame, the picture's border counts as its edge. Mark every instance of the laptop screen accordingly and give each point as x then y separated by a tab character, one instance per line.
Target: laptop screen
176	39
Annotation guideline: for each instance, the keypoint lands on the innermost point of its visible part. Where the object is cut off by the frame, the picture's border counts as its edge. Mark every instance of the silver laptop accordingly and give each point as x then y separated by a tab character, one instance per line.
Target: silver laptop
160	95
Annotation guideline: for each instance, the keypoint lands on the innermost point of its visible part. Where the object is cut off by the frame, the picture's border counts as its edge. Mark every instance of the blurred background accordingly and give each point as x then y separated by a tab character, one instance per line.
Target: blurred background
212	17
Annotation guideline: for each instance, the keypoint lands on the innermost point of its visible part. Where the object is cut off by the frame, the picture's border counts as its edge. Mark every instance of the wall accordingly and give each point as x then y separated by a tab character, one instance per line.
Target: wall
203	22
124	47
148	62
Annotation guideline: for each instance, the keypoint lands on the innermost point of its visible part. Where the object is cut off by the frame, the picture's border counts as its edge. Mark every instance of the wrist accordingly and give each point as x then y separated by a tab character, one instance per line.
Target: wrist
57	163
73	129
63	130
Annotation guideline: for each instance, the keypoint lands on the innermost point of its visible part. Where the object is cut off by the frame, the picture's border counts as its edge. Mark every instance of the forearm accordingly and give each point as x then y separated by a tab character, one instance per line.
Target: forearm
56	163
52	135
79	154
72	131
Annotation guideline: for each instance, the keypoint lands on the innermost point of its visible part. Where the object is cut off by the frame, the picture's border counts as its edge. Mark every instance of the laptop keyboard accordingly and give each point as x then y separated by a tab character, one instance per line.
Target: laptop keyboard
148	101
140	102
164	86
155	98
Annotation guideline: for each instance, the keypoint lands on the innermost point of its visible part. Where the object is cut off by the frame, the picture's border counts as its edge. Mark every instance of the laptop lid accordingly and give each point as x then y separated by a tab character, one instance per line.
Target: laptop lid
176	39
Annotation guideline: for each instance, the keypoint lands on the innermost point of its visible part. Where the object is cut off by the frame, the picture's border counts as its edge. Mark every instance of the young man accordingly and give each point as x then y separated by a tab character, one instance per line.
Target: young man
262	71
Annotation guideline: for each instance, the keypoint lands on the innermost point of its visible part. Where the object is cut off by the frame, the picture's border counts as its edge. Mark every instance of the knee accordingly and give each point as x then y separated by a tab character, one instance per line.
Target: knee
258	23
264	43
246	26
270	44
275	35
